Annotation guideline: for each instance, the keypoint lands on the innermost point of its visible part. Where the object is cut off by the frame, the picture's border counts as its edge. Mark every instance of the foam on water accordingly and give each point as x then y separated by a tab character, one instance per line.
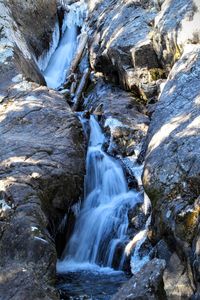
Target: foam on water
100	232
72	266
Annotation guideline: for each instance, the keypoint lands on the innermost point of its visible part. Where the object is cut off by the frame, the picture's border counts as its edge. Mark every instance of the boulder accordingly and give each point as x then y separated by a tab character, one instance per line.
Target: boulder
122	117
38	34
171	173
196	261
41	177
146	284
16	52
121	46
32	41
177	284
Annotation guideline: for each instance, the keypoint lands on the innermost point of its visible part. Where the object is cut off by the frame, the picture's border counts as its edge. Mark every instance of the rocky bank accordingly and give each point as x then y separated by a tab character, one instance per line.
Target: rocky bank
151	48
42	164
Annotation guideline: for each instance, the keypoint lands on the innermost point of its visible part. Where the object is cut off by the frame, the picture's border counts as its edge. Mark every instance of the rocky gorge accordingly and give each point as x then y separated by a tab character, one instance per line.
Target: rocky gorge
138	72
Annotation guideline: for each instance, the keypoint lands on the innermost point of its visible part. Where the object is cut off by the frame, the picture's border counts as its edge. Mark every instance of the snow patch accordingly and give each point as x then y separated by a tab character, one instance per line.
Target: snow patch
112	123
134	168
138	260
17	78
33	228
147	204
4	206
5	53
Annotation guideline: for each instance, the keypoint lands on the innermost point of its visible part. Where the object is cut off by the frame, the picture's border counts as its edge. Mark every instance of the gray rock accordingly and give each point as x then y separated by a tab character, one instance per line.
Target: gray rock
41	176
196	260
176	25
30	39
7	66
171	173
174	131
37	34
123	117
161	250
176	281
27	64
15	44
121	46
146	284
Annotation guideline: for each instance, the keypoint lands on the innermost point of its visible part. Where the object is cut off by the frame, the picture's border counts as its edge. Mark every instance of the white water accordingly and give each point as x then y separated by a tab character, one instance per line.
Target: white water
101	230
56	62
100	236
57	68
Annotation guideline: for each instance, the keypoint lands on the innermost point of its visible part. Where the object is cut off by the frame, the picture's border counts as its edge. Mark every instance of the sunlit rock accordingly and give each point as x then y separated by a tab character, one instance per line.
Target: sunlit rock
171	173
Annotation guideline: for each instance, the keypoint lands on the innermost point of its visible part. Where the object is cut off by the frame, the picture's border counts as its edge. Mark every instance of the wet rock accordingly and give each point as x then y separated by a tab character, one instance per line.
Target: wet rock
146	284
122	117
137	219
42	170
161	251
171	173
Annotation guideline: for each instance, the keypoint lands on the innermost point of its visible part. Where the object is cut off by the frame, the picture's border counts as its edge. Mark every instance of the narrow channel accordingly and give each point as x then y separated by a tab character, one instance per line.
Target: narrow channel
94	260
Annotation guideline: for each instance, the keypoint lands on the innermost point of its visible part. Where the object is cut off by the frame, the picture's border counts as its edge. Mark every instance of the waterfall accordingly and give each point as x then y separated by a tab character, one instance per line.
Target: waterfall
100	233
55	63
60	60
100	239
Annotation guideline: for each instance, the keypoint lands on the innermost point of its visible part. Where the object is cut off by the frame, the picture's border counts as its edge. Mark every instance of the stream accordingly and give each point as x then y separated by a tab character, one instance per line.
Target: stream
93	262
94	258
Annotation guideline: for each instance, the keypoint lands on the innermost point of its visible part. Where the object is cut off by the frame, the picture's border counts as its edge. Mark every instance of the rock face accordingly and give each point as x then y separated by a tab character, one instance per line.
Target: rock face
122	48
171	175
146	284
174	131
38	34
30	39
176	25
41	176
42	168
7	66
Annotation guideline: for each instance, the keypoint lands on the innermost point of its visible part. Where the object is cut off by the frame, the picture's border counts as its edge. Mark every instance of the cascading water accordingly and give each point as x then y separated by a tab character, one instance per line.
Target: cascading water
57	68
96	250
100	233
55	65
